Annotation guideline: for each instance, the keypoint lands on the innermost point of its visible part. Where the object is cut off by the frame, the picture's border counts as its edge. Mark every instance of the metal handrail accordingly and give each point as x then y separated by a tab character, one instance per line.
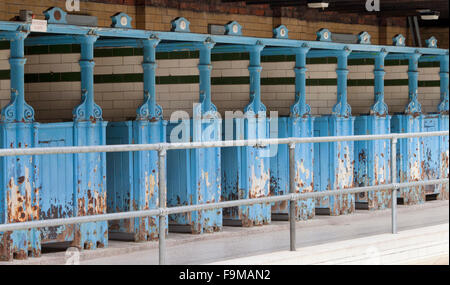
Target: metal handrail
210	144
163	212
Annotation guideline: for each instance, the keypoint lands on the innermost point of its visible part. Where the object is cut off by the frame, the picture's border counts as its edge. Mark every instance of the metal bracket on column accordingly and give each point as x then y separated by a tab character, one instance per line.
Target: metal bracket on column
17	110
443	107
300	108
205	67
150	110
413	107
342	108
87	110
255	106
379	108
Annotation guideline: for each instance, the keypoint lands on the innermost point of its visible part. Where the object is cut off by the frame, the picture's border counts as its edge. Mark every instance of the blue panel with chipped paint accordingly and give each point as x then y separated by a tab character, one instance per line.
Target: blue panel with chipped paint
304	175
133	178
193	177
431	162
409	157
444	157
373	162
56	189
335	164
246	172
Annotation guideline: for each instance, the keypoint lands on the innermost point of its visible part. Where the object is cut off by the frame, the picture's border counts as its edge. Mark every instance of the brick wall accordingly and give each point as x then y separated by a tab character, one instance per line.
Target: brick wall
256	20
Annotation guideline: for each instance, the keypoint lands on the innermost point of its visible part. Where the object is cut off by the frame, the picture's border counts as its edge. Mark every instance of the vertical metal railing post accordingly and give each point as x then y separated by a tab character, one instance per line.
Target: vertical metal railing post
162	205
394	181
292	204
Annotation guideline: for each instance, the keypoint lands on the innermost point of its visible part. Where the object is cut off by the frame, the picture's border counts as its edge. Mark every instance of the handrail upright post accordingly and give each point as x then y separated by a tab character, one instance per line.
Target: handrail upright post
292	203
394	182
162	205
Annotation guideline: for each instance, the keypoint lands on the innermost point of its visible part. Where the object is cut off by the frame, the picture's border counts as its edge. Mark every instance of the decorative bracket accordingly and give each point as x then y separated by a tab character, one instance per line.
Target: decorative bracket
81	112
281	32
149	110
324	35
364	38
431	42
180	25
55	15
10	114
233	29
121	20
398	40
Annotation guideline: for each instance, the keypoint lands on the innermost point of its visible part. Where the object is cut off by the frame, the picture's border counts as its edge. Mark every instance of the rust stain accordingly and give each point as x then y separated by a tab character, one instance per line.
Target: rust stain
258	183
20	207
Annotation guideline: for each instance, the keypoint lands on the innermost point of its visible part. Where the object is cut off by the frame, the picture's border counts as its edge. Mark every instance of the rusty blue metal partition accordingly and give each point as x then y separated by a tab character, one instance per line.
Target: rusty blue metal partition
299	124
55	186
246	170
409	159
443	110
193	175
132	178
431	153
19	194
373	158
444	157
335	161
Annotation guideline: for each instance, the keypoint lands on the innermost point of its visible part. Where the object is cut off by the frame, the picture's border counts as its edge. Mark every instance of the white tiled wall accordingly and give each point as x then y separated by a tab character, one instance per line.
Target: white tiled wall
55	101
4	84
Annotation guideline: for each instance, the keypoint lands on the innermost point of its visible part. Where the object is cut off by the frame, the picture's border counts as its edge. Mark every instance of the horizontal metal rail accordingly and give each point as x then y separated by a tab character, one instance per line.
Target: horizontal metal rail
212	206
212	144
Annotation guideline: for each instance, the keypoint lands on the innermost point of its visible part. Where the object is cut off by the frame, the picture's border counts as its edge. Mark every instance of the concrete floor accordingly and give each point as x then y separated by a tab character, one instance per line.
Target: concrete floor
235	243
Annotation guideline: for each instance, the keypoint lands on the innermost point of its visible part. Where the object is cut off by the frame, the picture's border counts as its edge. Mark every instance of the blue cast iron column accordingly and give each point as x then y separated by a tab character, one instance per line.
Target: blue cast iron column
195	176
255	106
87	110
150	110
205	68
379	108
302	125
342	108
413	107
300	108
443	109
148	128
19	195
257	161
337	159
246	170
90	169
409	151
372	157
207	127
